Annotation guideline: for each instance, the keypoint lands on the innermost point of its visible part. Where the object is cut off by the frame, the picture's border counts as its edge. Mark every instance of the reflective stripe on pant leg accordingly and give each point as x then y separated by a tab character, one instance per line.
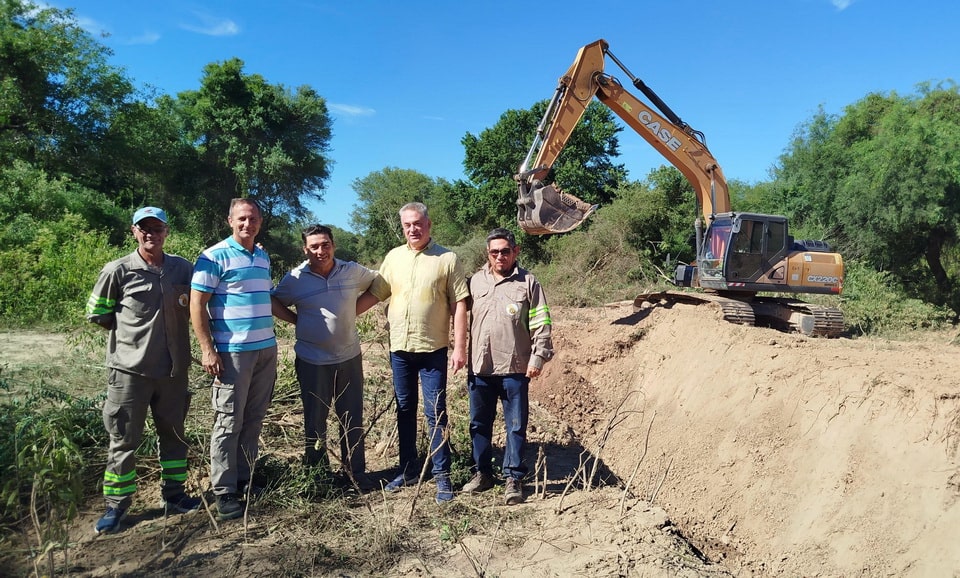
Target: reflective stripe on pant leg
124	414
170	405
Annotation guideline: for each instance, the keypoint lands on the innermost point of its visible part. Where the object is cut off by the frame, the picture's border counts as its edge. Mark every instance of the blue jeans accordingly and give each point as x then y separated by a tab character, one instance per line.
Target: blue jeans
512	391
431	368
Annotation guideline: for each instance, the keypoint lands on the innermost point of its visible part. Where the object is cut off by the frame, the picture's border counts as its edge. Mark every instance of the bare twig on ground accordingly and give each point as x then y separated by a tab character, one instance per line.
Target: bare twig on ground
540	472
616	418
248	491
35	518
472	558
580	468
646	445
663	478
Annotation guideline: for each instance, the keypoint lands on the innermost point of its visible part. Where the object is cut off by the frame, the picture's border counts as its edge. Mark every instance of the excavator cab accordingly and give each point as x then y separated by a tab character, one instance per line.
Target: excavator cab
542	210
740	249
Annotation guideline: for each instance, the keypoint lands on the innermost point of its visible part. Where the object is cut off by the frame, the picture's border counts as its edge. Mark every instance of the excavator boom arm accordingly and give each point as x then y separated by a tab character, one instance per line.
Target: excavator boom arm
545	209
677	145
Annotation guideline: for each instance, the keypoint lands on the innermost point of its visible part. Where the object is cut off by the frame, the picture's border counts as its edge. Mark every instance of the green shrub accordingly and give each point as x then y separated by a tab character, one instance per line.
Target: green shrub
45	436
595	266
186	245
873	304
49	279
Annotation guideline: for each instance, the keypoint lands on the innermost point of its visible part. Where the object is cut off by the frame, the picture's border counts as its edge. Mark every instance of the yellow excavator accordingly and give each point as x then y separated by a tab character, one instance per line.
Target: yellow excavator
738	254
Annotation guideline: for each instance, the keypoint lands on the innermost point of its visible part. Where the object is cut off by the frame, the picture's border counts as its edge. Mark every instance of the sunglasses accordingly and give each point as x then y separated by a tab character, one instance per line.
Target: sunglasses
151	230
504	252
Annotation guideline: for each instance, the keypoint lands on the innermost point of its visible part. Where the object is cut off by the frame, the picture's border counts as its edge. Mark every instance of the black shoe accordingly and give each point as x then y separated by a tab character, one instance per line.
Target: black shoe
364	483
182	504
229	507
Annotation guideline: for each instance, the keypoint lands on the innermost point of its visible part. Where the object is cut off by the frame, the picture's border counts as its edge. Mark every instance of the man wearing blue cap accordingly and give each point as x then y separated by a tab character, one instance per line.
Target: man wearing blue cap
142	299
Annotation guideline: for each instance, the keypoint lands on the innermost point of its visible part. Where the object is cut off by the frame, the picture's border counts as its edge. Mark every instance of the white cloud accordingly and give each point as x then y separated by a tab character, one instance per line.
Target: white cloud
145	38
92	26
350	109
841	4
212	26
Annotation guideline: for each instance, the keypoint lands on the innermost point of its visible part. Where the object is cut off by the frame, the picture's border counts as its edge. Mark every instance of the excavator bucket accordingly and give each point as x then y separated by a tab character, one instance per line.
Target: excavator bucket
546	210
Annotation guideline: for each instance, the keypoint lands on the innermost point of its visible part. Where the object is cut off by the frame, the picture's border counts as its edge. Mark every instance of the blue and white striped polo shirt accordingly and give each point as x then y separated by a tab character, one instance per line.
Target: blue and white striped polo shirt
240	315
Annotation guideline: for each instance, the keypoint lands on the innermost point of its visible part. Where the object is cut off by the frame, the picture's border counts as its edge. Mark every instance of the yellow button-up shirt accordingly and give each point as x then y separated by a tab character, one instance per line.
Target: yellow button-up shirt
425	287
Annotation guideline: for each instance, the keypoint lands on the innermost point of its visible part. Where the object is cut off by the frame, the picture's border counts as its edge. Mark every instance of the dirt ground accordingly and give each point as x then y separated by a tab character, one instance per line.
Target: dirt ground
710	450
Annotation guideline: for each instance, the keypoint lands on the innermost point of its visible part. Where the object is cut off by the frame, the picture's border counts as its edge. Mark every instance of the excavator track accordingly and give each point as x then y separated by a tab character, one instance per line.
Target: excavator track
733	310
805	318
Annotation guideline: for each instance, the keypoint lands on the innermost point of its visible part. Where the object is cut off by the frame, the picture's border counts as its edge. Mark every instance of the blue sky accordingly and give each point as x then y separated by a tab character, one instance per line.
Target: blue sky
405	81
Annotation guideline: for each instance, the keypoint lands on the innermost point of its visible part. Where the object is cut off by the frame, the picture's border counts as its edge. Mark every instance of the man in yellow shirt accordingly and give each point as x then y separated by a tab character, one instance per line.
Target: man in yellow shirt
427	287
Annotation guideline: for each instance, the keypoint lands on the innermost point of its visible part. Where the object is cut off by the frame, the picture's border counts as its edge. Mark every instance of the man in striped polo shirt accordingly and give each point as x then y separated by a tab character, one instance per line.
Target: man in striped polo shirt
141	299
231	312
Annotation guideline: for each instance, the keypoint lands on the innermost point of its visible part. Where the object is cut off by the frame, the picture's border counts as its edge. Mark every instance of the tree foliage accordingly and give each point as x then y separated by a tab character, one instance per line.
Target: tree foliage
379	198
584	168
258	140
81	148
883	180
58	94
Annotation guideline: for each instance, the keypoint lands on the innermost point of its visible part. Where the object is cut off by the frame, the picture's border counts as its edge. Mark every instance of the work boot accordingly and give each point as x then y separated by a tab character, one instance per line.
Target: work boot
513	493
480	483
444	489
229	507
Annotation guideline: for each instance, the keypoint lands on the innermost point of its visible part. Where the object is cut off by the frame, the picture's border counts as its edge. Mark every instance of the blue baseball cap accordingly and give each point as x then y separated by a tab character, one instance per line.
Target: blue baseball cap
147	212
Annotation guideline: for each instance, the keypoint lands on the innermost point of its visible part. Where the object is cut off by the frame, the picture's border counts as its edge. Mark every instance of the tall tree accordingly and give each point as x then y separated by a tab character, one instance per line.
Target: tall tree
885	177
58	94
257	139
585	168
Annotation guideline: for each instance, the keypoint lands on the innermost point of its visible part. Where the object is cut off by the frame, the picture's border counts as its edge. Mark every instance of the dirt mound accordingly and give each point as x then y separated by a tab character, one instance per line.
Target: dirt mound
774	453
673	444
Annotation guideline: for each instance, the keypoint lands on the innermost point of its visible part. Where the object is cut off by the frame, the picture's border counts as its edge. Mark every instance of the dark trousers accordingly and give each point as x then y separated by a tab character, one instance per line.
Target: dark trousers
511	391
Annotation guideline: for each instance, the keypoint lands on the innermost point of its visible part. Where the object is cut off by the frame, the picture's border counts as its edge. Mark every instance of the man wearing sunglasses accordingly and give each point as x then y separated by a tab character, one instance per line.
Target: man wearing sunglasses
142	299
509	343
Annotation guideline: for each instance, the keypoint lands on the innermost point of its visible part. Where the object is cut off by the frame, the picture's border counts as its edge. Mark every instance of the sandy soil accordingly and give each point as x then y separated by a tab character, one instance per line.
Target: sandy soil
710	449
19	348
774	453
